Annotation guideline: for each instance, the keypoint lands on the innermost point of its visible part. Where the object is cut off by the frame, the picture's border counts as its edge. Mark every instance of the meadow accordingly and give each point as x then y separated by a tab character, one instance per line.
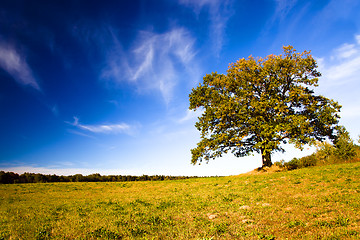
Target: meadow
320	202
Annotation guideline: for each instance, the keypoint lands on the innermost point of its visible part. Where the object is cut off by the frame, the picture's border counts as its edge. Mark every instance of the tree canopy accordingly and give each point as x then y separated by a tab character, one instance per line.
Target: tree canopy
261	104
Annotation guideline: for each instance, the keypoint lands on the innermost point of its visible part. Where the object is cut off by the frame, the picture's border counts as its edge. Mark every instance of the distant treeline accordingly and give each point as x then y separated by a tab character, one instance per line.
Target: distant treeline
10	177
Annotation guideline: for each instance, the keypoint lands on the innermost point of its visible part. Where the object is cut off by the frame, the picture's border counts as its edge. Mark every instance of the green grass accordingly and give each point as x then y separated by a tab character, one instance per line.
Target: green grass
311	203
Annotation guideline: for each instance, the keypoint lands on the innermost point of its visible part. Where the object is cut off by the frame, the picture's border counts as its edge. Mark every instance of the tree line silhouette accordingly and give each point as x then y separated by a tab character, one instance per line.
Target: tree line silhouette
11	177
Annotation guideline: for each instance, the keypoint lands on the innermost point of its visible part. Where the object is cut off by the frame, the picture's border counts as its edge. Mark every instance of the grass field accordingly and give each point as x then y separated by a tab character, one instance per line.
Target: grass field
311	203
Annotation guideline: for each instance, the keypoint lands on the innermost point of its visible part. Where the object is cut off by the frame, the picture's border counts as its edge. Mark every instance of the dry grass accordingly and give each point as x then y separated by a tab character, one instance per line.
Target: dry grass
314	203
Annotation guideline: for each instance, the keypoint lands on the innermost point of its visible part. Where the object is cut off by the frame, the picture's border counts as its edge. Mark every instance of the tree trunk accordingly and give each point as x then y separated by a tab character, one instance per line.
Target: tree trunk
266	159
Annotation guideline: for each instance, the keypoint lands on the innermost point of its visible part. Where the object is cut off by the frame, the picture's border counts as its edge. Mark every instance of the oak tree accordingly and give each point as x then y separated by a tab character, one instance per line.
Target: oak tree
261	104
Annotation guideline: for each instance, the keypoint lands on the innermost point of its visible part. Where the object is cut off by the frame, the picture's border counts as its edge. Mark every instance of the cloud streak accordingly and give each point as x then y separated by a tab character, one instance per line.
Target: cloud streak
343	66
191	115
154	62
120	128
15	65
340	81
220	12
283	7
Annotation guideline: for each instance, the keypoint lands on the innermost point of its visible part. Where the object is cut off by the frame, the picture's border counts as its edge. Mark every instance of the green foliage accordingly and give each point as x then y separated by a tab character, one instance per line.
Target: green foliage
308	161
343	150
293	164
259	105
344	145
296	163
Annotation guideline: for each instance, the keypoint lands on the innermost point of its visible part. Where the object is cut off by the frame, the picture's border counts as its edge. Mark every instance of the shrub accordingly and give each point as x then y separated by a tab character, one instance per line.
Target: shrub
325	153
308	161
292	164
345	148
279	163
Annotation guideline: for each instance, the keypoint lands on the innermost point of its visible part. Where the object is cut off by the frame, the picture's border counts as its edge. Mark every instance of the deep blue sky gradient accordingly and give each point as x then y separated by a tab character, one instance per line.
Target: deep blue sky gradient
102	86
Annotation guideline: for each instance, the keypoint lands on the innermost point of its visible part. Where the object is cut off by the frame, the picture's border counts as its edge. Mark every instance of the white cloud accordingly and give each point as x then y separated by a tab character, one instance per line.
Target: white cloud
104	128
146	52
283	7
155	61
190	115
15	64
197	5
114	128
344	72
220	11
80	133
342	67
55	110
340	81
346	50
357	37
350	111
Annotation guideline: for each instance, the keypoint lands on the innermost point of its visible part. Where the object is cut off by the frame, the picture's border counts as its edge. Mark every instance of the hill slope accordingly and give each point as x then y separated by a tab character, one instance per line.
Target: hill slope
311	203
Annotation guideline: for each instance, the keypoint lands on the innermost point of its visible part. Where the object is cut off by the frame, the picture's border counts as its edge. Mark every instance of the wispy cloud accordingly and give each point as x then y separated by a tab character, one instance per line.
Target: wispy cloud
198	5
120	128
79	133
14	63
155	61
55	110
283	7
351	111
346	50
340	81
343	65
220	11
190	115
335	10
113	128
357	37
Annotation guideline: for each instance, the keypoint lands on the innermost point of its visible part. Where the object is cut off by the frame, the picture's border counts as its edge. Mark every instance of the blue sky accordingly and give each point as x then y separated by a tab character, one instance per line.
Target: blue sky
102	86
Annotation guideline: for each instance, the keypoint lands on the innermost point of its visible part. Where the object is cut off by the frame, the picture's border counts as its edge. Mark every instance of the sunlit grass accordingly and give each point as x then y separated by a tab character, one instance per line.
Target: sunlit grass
313	203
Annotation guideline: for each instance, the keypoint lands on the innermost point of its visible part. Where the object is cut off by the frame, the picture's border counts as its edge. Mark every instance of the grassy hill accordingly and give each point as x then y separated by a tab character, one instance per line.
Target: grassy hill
310	203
